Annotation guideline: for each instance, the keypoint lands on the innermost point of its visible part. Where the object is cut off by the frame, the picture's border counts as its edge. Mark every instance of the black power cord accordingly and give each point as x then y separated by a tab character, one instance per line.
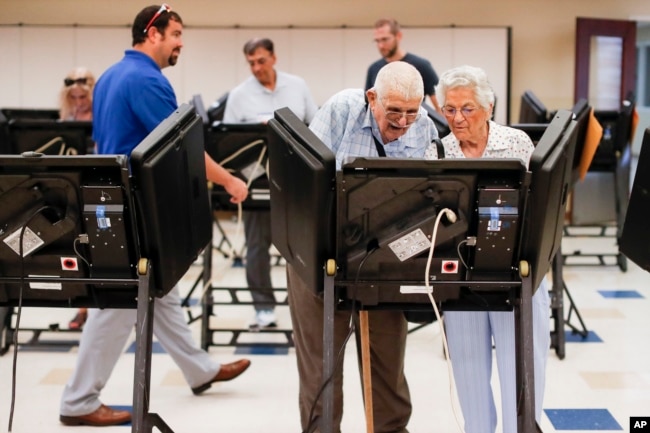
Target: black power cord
313	420
20	304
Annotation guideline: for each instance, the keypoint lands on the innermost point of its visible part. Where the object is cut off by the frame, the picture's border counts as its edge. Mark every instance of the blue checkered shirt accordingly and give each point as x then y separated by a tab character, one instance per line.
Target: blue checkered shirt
346	125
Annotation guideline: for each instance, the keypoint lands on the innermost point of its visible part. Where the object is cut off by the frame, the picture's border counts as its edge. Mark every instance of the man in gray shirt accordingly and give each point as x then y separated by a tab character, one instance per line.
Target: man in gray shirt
254	101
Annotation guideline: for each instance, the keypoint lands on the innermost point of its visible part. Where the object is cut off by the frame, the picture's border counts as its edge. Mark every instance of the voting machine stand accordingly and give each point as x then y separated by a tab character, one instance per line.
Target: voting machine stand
142	419
107	231
367	280
242	150
600	200
364	235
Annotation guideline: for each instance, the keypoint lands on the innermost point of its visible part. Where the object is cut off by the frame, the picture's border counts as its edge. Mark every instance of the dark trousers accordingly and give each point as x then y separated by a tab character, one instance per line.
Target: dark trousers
388	330
257	228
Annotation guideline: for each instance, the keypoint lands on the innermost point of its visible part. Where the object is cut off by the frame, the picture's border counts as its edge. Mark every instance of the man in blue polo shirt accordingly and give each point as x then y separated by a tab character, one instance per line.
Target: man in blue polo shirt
131	98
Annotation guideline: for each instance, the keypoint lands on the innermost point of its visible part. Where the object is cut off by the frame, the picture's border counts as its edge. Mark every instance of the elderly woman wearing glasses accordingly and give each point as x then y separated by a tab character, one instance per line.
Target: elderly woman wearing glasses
77	95
467	101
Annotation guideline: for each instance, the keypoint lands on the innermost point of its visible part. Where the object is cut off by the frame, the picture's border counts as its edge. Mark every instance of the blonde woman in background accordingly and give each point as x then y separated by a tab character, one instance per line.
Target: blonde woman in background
76	100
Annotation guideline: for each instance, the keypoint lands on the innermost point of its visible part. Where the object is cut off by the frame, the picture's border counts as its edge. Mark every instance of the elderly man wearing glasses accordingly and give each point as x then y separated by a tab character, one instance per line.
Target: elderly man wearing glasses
386	120
131	98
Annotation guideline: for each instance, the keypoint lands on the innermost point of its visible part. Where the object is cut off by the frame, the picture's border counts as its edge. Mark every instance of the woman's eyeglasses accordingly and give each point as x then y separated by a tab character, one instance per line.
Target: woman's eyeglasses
70	81
163	8
464	111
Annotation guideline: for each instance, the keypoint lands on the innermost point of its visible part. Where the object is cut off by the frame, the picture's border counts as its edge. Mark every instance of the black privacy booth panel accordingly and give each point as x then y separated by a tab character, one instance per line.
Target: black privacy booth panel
302	186
635	237
46	136
171	194
86	221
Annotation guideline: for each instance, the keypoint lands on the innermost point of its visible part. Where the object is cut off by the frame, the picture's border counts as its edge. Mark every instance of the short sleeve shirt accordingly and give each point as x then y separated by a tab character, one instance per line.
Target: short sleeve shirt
429	76
503	142
251	102
345	125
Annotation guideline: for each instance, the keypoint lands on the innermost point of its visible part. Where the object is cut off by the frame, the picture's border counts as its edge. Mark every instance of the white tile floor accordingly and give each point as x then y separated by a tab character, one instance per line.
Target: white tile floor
597	384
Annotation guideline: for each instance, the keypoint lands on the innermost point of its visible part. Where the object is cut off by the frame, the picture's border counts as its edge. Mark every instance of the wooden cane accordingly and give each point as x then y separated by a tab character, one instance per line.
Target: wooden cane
365	365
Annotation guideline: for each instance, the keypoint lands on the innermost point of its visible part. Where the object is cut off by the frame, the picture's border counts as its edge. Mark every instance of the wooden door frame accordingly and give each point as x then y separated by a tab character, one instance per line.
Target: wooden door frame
588	27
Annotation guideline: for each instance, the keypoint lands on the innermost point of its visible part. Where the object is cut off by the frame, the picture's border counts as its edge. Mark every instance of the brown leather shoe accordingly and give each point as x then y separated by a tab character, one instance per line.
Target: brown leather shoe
103	416
226	372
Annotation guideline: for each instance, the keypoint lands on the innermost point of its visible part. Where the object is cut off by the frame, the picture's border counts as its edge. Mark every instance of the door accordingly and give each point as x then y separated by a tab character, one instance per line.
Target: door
605	61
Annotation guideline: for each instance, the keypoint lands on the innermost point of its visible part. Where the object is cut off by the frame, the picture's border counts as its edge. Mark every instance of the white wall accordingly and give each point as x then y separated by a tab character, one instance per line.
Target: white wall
543	32
212	62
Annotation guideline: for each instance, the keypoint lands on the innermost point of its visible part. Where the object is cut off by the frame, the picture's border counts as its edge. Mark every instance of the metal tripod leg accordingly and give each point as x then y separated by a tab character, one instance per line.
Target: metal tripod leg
526	422
329	303
142	420
572	308
558	339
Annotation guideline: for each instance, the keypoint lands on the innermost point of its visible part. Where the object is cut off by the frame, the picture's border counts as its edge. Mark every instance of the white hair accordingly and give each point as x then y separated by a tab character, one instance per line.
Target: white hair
399	77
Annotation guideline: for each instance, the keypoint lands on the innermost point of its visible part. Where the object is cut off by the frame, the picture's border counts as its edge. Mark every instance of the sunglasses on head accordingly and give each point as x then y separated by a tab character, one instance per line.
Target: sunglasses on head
70	81
163	8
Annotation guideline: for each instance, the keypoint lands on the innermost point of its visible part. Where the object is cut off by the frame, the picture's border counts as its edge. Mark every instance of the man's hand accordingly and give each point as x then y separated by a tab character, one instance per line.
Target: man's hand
237	189
233	185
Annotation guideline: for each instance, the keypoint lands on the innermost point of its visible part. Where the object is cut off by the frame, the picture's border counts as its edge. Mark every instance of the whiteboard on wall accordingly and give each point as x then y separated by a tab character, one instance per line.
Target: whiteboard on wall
212	61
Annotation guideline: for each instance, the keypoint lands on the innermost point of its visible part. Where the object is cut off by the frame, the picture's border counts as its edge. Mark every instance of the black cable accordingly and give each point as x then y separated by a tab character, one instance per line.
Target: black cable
20	305
460	256
78	254
91	288
339	357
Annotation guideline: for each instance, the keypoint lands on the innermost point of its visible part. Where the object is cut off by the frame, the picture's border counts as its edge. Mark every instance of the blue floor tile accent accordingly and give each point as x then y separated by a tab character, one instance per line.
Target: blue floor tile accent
621	294
193	302
155	348
60	346
582	419
572	337
261	350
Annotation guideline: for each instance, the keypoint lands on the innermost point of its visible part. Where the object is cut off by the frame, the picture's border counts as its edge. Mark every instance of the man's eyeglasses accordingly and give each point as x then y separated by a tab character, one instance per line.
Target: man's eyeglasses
464	111
394	117
163	8
70	81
